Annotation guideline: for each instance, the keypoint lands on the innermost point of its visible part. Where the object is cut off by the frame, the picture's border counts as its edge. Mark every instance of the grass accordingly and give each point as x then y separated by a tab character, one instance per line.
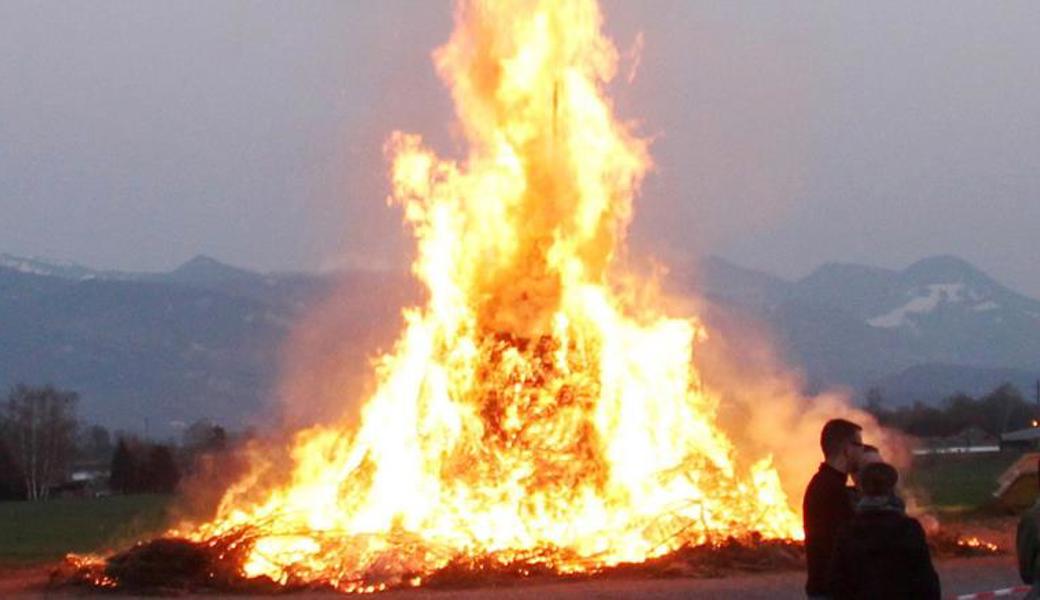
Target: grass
956	483
44	531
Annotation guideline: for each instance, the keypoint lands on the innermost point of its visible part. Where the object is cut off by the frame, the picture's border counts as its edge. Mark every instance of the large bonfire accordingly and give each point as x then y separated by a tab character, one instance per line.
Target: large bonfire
530	409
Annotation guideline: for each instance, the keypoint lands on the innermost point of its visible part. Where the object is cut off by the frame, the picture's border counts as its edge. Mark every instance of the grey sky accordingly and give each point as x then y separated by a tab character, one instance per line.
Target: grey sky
136	134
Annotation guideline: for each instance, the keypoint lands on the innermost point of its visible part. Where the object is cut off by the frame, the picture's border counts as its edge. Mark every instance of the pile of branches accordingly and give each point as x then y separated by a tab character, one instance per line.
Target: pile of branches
172	565
166	565
719	559
708	560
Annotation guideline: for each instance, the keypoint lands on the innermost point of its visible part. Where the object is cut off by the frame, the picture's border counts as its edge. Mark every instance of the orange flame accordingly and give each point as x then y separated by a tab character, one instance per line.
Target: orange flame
977	544
529	409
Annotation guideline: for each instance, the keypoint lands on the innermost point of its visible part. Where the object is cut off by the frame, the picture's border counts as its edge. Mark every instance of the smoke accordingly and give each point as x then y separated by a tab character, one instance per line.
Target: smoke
763	405
327	362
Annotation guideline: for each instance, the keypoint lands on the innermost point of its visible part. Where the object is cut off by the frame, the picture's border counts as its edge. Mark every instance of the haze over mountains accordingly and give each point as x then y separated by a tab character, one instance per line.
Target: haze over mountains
156	350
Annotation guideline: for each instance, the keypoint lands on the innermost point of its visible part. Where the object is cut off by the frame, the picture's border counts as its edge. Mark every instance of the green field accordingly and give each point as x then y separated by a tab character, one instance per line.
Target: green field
957	482
34	532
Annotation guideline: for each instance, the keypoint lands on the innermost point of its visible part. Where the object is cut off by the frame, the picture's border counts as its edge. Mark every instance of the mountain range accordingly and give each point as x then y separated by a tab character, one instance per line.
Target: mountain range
937	327
154	351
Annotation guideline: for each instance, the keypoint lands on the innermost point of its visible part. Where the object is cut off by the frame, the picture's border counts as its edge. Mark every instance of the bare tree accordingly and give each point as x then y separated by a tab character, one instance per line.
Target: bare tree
40	426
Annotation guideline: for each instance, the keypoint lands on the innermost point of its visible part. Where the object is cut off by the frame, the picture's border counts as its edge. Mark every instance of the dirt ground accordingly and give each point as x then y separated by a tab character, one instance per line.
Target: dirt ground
959	576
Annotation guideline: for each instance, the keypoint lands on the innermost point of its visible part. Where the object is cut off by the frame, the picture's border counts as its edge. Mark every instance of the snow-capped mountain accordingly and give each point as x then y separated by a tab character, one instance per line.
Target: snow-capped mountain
940	309
911	298
926	299
857	325
46	267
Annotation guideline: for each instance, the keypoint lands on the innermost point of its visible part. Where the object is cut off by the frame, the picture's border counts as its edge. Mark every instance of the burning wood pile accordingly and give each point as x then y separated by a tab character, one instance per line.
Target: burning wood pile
540	413
169	565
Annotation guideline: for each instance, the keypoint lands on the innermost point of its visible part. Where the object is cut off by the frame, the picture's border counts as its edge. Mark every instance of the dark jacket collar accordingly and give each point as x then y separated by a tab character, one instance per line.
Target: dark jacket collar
875	504
830	472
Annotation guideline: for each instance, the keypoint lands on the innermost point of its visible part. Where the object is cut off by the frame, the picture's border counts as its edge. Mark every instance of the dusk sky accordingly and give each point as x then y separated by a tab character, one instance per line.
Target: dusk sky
135	135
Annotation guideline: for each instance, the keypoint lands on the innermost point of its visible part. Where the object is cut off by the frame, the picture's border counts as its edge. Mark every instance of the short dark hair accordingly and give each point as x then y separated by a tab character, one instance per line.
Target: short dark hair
836	434
878	479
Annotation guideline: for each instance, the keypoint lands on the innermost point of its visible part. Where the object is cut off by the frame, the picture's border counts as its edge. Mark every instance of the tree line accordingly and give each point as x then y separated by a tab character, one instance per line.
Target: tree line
41	440
1003	409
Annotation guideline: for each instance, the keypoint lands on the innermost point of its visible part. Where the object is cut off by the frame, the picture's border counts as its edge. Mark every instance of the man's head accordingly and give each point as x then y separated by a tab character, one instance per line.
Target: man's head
878	479
842	444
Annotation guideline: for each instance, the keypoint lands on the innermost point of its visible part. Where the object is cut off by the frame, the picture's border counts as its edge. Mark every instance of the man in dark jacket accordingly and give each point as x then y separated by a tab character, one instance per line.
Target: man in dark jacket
828	502
882	553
